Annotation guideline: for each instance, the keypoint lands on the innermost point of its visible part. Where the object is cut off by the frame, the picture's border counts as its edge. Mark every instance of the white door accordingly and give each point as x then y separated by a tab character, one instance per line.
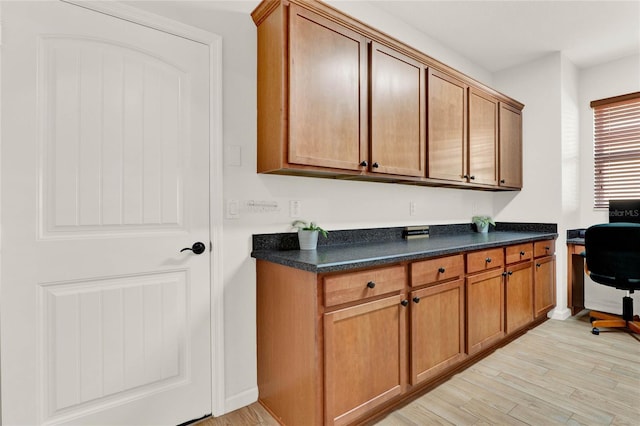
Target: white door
104	179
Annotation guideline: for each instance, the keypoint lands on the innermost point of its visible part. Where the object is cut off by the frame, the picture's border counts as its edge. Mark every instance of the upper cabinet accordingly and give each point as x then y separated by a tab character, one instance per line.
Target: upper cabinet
483	138
327	93
397	113
447	127
510	146
463	132
337	98
318	116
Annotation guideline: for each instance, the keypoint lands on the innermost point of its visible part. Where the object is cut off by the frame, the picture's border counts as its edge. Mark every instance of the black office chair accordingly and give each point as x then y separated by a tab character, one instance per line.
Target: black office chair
613	259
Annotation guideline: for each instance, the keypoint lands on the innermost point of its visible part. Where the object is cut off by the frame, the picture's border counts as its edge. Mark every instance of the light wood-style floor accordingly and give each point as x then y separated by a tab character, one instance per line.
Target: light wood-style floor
557	373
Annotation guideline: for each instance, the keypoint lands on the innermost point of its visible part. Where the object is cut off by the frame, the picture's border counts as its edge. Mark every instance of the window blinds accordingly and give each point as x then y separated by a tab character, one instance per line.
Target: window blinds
616	149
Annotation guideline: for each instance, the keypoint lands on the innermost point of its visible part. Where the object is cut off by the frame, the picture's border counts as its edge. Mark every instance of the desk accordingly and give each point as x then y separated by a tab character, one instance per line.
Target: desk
575	274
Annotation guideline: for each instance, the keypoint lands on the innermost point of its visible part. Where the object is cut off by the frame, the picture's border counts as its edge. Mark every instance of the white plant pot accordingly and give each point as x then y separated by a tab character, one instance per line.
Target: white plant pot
308	239
482	229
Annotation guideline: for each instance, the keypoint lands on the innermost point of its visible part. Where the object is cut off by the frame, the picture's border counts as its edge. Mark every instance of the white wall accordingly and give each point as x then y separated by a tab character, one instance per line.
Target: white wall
540	86
547	87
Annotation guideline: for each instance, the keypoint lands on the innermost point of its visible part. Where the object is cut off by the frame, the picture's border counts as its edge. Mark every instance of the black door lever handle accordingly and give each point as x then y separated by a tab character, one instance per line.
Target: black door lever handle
197	248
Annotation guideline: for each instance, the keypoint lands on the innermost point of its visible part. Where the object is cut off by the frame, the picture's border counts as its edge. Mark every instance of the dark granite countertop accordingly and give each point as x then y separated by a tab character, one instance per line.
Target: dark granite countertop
345	256
576	241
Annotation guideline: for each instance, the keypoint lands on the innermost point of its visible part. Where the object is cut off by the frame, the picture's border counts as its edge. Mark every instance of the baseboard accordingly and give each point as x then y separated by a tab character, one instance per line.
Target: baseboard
241	400
560	314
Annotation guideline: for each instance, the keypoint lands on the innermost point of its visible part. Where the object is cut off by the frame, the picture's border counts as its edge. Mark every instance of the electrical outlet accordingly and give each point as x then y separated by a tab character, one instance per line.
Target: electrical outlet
412	208
294	208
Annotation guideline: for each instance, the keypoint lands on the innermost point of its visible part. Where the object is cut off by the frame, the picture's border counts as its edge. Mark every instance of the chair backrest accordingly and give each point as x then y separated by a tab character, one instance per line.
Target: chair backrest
613	254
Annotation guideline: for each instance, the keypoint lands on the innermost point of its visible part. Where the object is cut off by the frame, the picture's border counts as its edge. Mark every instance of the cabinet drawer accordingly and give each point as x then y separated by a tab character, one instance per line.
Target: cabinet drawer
519	253
436	270
484	260
354	286
544	248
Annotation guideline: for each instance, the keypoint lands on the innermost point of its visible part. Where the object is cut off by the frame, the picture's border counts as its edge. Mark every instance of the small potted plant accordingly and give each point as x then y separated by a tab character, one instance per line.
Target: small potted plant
482	223
308	234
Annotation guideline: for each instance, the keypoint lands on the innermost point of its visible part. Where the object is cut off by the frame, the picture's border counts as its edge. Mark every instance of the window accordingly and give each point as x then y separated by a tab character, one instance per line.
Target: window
616	149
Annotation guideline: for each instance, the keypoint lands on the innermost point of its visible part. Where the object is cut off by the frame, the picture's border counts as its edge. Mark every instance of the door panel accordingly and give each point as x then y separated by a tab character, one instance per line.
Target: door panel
447	127
519	296
105	177
437	329
483	138
328	74
365	352
398	139
544	282
101	344
113	122
510	146
485	310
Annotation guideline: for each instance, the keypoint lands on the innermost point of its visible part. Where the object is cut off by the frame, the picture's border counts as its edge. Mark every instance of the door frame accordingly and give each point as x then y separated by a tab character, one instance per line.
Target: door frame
214	43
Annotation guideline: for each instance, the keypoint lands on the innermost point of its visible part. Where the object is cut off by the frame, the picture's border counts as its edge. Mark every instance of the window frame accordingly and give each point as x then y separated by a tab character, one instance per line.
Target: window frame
616	149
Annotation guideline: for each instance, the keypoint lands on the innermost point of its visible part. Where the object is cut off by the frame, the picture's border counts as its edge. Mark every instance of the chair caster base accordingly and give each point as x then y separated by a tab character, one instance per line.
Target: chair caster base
595	331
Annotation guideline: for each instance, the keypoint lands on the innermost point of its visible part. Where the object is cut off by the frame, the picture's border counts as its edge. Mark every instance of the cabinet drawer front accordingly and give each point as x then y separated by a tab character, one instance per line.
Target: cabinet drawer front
519	253
544	248
436	270
354	286
484	260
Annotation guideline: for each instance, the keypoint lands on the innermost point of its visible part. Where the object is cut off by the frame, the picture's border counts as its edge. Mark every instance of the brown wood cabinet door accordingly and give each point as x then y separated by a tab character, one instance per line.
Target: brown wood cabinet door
328	93
544	274
398	113
519	296
510	147
485	310
365	358
437	329
483	138
447	141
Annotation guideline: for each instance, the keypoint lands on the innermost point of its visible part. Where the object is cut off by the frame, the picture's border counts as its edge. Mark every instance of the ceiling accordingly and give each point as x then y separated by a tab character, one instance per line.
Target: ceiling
501	34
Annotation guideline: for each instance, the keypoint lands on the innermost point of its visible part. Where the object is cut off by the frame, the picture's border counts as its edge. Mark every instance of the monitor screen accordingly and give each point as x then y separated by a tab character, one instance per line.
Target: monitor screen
624	211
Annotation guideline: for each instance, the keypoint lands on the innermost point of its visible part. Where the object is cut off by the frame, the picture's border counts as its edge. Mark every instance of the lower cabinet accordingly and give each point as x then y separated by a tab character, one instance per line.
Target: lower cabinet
437	329
365	356
336	348
544	276
519	296
485	309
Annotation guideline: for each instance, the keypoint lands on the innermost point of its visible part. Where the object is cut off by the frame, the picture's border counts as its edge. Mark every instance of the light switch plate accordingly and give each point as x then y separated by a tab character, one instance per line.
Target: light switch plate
233	209
294	208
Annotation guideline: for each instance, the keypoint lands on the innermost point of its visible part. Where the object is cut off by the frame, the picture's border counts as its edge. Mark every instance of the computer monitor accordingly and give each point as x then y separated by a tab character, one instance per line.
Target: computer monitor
624	211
